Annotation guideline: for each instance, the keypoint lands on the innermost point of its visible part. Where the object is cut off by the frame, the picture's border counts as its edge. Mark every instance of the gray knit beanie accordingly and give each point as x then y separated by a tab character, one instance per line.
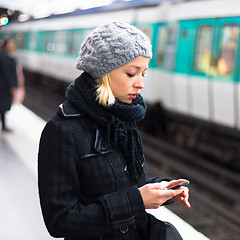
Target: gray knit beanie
111	46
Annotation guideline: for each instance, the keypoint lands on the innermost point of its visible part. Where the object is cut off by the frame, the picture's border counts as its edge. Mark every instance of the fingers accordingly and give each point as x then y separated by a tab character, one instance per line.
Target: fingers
155	194
175	182
156	186
167	185
183	196
182	193
187	203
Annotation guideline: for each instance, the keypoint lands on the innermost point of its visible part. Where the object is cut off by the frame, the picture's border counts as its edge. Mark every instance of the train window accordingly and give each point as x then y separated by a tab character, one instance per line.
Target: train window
49	42
161	41
60	40
147	30
169	55
166	44
86	32
33	41
203	49
75	42
20	40
184	33
228	45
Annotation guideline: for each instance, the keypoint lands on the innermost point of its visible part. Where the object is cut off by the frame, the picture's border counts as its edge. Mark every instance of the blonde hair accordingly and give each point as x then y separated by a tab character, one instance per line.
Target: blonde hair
104	93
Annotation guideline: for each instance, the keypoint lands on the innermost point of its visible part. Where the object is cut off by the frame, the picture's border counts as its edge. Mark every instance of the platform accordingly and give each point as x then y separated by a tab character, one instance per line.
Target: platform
21	217
19	203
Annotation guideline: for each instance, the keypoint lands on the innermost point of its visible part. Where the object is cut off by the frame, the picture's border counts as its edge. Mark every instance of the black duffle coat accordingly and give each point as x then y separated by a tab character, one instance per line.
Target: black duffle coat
85	189
8	80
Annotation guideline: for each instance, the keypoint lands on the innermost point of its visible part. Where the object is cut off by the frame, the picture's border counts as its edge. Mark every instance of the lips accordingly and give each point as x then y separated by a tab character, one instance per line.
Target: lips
132	96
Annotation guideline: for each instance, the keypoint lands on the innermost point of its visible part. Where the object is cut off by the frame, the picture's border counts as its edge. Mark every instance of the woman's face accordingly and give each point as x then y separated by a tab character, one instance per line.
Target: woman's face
127	80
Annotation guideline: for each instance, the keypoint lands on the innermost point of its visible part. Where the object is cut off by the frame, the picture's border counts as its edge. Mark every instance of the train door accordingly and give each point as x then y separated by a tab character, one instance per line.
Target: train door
214	73
225	73
182	78
32	56
152	85
201	77
165	54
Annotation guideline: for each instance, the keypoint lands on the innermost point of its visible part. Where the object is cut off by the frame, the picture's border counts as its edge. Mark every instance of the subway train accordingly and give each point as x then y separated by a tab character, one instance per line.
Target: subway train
192	86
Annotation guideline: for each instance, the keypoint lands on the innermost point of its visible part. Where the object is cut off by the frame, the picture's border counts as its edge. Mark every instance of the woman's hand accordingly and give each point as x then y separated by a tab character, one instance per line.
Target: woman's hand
155	194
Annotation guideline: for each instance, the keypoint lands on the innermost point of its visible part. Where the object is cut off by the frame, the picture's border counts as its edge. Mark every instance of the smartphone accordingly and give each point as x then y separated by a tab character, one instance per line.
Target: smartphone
179	185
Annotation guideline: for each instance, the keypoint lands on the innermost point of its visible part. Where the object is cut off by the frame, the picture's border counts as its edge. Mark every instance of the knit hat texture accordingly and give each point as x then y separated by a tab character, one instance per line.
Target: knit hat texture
111	46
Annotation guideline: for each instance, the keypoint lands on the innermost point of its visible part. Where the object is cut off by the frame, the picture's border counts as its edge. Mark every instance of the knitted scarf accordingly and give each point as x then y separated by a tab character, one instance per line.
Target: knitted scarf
118	121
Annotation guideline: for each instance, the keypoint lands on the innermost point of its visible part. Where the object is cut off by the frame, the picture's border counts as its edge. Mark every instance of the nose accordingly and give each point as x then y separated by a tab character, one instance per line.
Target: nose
139	83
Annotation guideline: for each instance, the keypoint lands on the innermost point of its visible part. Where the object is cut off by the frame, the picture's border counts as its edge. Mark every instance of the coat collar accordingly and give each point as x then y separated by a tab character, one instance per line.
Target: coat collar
69	110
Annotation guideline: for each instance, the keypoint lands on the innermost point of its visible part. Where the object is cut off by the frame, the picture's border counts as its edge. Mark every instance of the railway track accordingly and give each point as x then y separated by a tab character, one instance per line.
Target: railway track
214	191
41	98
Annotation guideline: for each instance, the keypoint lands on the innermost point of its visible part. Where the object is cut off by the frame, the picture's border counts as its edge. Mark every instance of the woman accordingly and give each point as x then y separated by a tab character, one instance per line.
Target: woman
8	79
91	164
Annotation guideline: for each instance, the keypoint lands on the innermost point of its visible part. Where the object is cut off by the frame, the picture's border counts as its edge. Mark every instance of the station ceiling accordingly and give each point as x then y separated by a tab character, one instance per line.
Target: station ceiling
47	7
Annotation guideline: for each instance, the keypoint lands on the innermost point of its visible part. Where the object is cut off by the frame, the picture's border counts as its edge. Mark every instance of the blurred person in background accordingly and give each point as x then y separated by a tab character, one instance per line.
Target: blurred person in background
12	80
91	175
8	78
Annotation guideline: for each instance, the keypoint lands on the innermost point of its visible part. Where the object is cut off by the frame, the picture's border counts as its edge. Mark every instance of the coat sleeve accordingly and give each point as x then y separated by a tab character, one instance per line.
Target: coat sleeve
157	179
64	214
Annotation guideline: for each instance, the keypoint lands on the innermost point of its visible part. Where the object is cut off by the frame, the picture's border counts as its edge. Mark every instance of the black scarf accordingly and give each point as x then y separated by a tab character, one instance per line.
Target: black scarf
118	120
